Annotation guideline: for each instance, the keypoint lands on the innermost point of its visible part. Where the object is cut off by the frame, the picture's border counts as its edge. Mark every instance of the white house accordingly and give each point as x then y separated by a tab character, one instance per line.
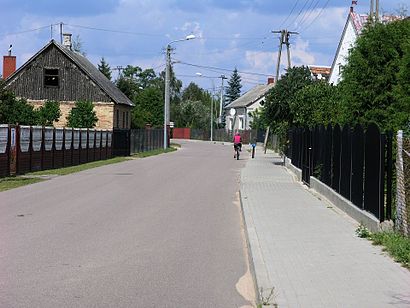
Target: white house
238	113
353	27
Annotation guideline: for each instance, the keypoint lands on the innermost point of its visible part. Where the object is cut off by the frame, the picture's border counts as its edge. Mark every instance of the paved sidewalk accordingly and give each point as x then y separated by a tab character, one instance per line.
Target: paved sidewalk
307	249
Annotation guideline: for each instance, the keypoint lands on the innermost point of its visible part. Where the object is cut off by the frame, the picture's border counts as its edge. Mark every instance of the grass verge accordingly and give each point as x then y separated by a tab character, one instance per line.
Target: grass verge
73	169
397	245
14	182
155	152
33	177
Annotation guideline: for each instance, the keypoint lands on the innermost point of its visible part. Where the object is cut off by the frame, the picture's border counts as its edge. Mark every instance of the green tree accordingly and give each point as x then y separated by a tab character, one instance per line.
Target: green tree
402	90
15	111
82	115
370	78
277	110
149	108
316	103
104	68
193	114
232	92
48	113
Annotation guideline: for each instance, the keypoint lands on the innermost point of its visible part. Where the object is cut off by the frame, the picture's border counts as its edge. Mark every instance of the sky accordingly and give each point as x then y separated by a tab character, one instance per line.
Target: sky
229	33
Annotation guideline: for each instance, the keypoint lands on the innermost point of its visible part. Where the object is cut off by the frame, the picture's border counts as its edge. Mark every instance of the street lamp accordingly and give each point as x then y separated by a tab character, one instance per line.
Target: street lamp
167	77
212	103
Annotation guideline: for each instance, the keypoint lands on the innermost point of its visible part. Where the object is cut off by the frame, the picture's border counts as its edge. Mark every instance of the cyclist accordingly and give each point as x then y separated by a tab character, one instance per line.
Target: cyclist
237	142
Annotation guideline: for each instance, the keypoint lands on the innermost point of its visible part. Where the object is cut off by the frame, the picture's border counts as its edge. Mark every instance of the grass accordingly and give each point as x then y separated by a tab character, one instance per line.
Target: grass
73	169
394	243
397	245
14	182
33	177
155	152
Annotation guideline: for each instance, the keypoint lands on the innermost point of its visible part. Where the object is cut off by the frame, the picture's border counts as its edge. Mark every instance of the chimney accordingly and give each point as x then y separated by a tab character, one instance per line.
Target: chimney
67	40
9	64
271	80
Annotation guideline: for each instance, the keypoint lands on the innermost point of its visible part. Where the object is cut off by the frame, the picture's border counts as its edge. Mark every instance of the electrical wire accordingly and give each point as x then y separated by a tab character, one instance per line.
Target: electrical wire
307	15
290	14
318	15
115	31
300	13
222	69
27	31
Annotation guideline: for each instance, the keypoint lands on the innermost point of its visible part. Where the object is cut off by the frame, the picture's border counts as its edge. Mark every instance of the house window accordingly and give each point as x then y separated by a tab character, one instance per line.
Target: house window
123	119
51	77
126	119
230	124
241	122
118	118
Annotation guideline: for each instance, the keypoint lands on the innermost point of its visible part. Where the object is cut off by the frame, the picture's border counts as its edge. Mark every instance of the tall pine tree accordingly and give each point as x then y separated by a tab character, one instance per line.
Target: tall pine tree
104	68
233	91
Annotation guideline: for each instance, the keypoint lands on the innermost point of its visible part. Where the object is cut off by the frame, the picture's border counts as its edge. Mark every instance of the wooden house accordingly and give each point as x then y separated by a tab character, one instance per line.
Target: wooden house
58	73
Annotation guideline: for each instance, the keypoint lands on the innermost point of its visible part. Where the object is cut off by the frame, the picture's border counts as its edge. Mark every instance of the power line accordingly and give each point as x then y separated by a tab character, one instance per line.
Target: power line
308	13
115	31
290	14
222	69
318	15
27	31
300	13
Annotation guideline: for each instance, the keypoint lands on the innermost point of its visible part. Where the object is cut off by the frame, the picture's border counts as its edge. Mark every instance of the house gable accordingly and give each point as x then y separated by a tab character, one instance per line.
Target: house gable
30	81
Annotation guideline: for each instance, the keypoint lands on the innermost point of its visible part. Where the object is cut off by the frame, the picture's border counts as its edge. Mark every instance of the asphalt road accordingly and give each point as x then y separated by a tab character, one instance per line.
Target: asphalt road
163	231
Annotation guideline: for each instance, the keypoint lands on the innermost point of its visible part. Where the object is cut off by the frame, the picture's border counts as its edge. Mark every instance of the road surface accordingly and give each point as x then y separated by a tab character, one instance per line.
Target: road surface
163	231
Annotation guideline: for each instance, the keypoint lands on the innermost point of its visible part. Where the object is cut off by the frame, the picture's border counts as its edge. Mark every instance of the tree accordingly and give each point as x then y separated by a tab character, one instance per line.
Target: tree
149	108
82	115
370	79
78	45
48	113
316	103
193	114
234	87
232	92
104	68
277	110
15	111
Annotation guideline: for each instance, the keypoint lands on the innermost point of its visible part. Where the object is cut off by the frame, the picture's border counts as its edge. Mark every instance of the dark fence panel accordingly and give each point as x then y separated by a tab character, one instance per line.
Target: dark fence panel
346	163
373	170
4	150
48	148
58	148
83	146
37	149
24	149
104	144
97	152
91	145
336	153
306	156
121	142
76	146
109	144
327	159
357	166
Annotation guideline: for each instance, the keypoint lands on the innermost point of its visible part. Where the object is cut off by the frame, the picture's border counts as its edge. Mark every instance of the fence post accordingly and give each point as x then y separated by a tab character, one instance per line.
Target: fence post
400	190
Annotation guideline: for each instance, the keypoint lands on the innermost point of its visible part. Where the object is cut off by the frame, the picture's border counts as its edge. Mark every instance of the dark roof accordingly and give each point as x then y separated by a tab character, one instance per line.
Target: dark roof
89	69
251	96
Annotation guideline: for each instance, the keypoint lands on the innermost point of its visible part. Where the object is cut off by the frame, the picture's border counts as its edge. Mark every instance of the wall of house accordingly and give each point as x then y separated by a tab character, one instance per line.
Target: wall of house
74	85
104	112
348	40
122	116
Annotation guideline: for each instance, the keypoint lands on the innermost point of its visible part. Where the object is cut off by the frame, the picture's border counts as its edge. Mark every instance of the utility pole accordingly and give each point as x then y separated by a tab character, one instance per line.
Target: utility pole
377	10
61	33
167	95
284	40
374	10
223	77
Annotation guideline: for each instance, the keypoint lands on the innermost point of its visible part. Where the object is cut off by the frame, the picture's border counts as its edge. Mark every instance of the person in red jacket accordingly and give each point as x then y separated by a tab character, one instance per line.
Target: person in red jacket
237	142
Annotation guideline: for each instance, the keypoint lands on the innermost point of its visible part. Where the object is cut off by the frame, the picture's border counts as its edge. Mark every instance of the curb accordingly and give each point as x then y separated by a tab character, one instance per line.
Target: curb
249	251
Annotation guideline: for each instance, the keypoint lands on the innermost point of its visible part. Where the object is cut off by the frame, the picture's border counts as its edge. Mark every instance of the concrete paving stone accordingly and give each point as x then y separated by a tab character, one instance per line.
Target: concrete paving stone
308	250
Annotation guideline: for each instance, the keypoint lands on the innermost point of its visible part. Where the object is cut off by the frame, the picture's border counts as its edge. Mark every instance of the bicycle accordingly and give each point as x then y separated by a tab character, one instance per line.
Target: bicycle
237	150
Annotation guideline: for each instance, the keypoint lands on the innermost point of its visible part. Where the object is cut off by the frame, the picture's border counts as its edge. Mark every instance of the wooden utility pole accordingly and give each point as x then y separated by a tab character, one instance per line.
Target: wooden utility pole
284	40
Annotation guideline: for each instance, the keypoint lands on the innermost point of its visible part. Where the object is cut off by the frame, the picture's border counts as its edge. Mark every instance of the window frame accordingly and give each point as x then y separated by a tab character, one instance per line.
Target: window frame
48	75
